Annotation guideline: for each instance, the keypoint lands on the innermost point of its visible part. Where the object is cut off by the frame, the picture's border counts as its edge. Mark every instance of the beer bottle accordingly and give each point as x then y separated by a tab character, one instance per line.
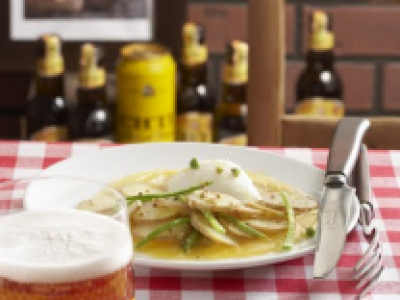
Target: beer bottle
195	105
91	119
47	111
231	112
319	88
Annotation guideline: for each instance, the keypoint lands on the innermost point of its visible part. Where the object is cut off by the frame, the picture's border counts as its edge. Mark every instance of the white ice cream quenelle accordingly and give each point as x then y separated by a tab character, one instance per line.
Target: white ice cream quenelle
61	246
239	186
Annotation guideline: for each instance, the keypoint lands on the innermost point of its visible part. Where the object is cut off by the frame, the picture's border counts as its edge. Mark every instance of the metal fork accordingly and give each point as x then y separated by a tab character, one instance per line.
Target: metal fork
370	267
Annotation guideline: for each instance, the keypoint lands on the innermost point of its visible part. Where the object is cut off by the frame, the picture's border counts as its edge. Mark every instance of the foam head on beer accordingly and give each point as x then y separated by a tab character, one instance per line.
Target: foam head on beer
61	246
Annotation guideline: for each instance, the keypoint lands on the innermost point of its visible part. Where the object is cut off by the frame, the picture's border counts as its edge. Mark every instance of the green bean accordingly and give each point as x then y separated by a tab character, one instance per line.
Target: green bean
190	241
244	227
149	197
310	232
214	222
194	164
162	228
235	172
289	240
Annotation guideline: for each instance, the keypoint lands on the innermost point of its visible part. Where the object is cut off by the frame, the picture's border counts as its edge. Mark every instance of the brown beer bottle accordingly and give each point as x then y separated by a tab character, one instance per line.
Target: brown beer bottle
231	113
47	111
319	88
195	105
91	119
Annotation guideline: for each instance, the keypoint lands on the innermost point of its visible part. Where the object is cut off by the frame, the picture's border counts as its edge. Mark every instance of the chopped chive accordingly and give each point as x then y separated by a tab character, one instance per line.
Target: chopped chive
244	227
219	170
149	197
310	232
190	241
194	164
214	222
162	228
235	172
288	243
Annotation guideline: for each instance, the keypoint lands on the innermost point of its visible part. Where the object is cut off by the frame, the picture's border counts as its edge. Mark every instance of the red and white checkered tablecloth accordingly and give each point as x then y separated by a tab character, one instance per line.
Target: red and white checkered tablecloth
284	281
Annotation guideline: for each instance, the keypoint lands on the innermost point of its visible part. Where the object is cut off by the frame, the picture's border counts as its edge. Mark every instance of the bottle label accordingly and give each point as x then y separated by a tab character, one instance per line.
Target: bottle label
320	107
228	138
195	127
50	134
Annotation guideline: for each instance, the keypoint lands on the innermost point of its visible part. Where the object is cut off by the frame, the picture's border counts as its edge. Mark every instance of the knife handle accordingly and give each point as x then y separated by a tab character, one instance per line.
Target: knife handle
346	145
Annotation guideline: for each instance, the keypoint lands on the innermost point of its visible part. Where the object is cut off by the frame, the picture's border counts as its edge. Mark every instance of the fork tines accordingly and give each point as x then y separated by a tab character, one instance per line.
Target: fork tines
370	267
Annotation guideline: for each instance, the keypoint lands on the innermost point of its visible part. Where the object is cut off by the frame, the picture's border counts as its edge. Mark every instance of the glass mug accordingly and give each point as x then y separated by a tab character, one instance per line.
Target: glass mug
53	249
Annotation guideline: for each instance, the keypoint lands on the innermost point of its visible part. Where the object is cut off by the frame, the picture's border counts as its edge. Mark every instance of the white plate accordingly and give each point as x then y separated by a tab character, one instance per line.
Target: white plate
114	163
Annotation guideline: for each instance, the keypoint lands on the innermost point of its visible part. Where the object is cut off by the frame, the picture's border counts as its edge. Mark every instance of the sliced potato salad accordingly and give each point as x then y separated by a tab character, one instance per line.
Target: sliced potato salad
210	210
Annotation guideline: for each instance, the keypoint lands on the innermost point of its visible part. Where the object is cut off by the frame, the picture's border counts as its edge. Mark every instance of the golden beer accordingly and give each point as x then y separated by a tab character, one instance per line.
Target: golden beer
64	255
145	110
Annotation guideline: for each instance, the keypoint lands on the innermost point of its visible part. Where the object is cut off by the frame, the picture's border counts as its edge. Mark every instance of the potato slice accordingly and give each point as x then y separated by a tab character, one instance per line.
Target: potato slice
266	209
308	219
232	229
103	203
267	225
300	233
182	207
199	222
142	230
134	189
151	212
297	201
218	202
158	209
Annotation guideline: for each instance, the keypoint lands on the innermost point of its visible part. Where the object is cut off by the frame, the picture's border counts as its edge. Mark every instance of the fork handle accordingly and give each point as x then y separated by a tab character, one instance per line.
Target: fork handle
363	182
363	186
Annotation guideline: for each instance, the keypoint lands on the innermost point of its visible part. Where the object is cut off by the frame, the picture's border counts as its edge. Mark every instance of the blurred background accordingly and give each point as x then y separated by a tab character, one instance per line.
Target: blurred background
367	50
367	46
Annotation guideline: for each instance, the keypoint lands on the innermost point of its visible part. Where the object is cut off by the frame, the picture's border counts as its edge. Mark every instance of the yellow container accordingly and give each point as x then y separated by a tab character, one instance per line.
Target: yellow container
145	110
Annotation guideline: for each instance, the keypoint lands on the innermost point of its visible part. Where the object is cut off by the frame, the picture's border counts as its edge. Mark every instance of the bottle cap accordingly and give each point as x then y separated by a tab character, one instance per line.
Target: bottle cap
50	60
194	49
90	74
236	64
321	37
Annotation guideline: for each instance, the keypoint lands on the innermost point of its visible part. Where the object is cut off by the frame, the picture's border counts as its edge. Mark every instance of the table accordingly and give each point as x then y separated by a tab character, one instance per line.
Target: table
284	281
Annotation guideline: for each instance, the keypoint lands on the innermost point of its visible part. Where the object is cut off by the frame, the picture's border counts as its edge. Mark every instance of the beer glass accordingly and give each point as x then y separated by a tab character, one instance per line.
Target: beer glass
64	238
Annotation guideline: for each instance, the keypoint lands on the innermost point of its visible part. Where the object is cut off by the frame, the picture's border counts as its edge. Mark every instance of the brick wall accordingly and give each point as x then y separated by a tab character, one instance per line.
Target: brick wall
367	46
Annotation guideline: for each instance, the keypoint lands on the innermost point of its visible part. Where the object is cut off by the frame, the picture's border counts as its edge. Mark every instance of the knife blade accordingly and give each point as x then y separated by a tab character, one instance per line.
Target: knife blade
337	195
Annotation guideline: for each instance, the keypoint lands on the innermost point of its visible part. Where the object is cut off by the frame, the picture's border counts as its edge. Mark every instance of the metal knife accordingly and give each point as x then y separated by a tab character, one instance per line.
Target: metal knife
334	209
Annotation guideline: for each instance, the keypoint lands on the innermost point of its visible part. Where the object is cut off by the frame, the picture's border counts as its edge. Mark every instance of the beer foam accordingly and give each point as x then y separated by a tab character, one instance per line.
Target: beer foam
56	246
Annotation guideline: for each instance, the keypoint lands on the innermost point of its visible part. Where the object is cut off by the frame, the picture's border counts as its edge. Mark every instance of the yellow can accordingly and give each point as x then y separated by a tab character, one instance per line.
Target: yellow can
145	110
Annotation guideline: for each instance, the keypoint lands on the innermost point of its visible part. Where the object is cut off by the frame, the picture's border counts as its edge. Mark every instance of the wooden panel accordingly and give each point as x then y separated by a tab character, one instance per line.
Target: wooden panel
298	131
266	71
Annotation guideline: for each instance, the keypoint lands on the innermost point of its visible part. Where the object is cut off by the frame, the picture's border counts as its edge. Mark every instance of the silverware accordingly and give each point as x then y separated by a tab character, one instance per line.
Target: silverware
370	266
334	210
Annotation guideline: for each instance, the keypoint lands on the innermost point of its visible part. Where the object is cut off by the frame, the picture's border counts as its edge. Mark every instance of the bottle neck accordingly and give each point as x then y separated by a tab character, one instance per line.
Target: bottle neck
320	60
95	96
234	93
193	75
50	86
